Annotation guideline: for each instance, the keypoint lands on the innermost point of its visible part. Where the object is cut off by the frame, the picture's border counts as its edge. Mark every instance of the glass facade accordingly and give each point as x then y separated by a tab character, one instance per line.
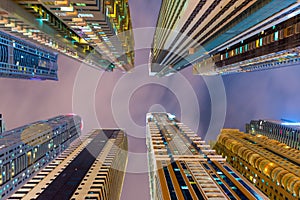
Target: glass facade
203	31
272	47
20	59
25	150
284	132
97	33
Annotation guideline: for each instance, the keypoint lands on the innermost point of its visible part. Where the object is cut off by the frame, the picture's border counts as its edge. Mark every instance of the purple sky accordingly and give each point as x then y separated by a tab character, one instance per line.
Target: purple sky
271	94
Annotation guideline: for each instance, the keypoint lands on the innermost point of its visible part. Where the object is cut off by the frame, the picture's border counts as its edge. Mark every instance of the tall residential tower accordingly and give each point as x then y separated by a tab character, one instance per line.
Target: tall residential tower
182	166
283	131
27	149
221	36
93	167
2	124
96	32
271	166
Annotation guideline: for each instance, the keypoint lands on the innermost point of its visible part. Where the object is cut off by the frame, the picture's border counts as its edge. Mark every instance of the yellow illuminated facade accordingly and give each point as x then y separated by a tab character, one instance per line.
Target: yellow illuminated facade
98	33
271	166
182	166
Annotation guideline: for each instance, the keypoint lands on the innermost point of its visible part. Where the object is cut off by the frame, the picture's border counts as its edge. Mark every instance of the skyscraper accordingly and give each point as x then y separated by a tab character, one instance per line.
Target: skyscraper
25	150
21	59
271	166
182	166
92	167
281	130
220	37
2	124
96	32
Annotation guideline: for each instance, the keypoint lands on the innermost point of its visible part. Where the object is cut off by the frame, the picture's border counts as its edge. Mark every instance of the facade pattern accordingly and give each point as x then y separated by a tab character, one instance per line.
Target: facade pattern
283	131
20	59
92	167
221	37
182	166
25	150
97	32
271	166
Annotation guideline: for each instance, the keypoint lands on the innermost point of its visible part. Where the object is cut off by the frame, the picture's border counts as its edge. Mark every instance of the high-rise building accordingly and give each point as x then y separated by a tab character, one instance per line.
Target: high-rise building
21	59
182	166
25	150
93	167
96	32
282	130
271	166
220	36
2	124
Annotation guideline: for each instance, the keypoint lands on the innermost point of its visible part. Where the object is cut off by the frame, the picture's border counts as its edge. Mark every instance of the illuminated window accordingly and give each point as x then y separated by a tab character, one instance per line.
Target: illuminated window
12	169
85	15
29	157
257	43
80	4
67	9
232	53
260	42
276	36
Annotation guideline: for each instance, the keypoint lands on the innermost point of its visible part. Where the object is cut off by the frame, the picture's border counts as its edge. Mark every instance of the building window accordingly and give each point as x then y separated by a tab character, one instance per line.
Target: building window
257	44
260	42
276	36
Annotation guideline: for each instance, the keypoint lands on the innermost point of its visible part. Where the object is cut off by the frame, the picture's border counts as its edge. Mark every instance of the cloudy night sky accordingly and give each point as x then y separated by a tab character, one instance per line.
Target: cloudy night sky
116	99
